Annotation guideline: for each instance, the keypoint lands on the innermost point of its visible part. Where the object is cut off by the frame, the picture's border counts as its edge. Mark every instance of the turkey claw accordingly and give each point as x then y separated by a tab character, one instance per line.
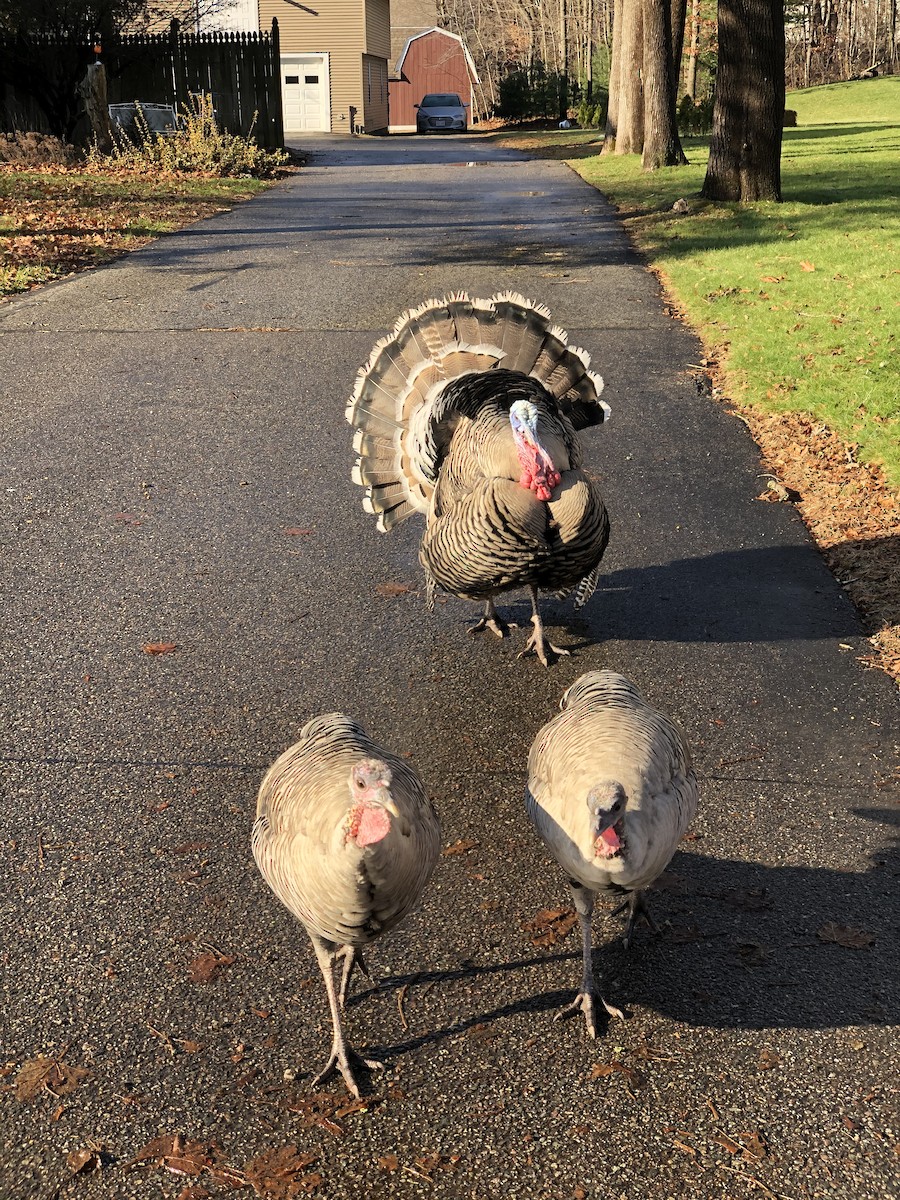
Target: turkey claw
586	1002
495	624
342	1062
538	645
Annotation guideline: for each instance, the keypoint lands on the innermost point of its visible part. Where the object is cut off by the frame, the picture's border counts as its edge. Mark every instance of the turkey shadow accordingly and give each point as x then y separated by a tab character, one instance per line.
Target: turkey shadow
741	946
761	594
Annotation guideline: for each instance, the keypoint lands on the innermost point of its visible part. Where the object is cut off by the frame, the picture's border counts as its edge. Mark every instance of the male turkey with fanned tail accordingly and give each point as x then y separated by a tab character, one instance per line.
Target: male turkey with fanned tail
468	412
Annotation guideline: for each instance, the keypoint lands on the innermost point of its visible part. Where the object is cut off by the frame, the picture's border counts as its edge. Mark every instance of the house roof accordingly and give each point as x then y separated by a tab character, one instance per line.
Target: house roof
443	33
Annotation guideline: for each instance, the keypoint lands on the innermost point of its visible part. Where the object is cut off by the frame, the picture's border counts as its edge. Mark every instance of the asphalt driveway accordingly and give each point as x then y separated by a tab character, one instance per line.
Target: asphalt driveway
177	474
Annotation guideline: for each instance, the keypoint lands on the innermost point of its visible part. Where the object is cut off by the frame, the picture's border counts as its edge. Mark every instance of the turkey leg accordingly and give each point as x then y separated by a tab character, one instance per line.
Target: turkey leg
537	643
587	999
341	1052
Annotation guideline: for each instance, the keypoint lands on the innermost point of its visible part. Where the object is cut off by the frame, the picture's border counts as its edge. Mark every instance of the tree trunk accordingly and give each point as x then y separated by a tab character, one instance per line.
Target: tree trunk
677	18
662	147
615	82
630	138
93	91
748	115
691	80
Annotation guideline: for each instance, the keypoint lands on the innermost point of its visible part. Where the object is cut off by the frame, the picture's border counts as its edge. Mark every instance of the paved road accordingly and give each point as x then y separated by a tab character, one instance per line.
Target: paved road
165	421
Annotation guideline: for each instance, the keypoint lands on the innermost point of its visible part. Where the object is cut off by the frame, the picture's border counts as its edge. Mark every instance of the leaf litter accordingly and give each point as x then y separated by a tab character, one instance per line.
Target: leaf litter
51	1075
550	925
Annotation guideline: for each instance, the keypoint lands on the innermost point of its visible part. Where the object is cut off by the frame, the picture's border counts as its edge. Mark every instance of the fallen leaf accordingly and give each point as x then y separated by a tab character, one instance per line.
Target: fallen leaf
460	847
388	1162
296	531
190	847
189	1046
806	266
773	278
81	1162
389	590
184	1156
550	925
845	935
281	1174
206	966
128	518
768	1059
158	647
633	1078
47	1074
727	1143
755	1147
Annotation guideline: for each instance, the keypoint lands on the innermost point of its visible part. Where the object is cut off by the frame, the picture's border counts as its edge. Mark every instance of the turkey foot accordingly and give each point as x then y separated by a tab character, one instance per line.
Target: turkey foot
493	621
586	1002
537	643
638	910
342	1059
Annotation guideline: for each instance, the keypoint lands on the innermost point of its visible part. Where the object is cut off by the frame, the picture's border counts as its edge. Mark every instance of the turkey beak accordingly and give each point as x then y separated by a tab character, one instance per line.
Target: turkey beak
386	800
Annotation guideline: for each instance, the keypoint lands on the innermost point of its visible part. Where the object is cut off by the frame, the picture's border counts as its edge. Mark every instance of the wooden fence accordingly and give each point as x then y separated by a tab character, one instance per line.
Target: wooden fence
39	79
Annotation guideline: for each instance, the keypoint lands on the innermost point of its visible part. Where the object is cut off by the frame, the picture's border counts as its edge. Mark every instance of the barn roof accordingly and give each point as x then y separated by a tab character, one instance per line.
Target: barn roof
443	33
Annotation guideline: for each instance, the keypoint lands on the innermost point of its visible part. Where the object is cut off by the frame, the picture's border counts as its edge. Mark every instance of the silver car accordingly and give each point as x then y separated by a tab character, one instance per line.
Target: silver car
441	110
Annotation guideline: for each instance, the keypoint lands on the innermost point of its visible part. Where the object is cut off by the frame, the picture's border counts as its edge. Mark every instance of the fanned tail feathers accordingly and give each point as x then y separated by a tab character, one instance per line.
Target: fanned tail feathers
396	404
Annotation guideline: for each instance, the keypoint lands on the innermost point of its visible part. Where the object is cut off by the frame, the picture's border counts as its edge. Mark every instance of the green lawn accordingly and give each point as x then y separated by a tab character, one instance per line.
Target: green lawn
801	300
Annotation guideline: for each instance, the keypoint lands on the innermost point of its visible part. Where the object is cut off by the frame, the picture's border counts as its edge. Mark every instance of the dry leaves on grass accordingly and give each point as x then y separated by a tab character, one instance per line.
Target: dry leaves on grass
845	935
51	1075
207	965
550	925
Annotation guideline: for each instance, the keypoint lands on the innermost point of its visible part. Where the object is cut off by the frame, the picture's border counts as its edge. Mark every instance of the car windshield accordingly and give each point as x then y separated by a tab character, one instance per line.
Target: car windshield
441	101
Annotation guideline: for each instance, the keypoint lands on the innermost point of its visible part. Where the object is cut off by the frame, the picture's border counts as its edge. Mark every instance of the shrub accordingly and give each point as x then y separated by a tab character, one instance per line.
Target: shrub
790	118
35	150
197	146
591	114
695	116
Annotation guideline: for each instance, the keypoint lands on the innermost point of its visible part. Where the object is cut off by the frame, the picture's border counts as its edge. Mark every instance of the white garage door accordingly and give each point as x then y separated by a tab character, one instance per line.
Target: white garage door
305	93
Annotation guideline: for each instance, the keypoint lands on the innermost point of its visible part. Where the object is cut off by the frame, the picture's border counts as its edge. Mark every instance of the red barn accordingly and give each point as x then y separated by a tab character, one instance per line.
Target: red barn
432	61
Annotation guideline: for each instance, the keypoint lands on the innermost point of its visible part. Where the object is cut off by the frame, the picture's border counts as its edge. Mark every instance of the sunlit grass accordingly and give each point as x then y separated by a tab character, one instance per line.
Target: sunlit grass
800	300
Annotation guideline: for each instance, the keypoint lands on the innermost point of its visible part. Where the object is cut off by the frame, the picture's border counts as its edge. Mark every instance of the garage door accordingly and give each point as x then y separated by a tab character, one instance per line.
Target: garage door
305	93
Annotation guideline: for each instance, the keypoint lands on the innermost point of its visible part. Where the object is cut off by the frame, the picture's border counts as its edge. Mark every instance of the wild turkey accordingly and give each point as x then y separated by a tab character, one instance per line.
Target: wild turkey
467	412
346	838
611	791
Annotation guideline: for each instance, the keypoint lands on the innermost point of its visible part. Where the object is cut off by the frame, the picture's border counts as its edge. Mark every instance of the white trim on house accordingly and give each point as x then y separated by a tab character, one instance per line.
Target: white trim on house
398	70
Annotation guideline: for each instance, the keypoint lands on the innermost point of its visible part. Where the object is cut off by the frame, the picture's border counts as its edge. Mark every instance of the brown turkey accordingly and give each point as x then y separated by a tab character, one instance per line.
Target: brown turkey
469	412
346	838
611	791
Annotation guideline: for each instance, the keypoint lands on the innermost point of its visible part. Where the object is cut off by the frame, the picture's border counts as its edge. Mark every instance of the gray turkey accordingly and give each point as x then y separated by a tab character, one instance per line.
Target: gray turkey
468	412
611	791
346	838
